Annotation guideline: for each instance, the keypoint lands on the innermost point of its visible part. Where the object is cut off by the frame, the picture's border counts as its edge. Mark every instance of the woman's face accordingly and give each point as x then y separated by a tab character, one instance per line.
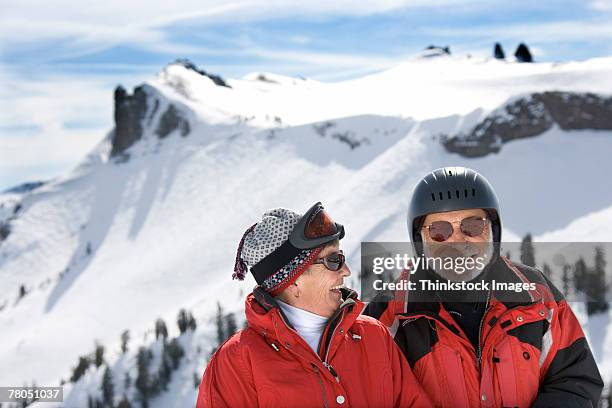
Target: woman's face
319	287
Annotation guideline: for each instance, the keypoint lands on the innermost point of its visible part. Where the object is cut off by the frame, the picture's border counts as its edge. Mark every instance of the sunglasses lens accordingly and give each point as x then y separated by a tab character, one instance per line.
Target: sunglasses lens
334	262
440	230
321	225
473	226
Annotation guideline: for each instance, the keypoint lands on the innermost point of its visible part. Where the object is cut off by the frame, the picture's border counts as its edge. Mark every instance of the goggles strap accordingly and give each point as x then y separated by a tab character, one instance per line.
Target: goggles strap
274	261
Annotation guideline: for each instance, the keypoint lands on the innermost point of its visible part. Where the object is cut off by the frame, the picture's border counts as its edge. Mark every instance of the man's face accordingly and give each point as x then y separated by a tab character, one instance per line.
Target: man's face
318	286
458	246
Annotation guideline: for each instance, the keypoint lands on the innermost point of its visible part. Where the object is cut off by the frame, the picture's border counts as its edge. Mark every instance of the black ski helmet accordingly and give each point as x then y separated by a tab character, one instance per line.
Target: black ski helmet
449	189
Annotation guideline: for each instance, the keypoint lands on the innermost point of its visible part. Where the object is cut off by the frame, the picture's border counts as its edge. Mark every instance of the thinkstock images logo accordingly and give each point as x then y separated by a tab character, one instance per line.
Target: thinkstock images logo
470	271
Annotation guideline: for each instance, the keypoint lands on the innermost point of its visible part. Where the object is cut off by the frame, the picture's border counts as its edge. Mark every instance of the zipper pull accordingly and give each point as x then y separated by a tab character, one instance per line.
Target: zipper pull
331	370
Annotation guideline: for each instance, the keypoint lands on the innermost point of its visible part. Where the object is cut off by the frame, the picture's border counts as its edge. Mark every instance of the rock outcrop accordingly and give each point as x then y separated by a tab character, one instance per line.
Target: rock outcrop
435	51
5	230
523	54
498	52
530	116
137	112
171	120
130	111
190	65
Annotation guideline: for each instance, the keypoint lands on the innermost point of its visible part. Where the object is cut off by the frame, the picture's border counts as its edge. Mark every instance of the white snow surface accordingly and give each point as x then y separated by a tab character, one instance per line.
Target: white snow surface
140	239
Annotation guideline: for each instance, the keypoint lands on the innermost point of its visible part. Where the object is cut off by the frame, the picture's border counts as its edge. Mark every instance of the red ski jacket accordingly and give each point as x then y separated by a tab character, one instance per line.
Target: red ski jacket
531	352
268	364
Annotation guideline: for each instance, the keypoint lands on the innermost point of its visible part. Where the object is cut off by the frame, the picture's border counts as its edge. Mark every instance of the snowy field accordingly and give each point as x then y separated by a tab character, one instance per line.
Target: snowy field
115	244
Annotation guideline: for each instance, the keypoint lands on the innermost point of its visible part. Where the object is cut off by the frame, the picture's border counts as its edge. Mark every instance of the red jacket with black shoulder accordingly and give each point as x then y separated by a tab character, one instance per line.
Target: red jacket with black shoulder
532	351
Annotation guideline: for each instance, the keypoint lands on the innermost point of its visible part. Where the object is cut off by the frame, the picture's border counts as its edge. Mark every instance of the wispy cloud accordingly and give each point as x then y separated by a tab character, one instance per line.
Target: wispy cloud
602	5
49	124
59	61
85	28
542	32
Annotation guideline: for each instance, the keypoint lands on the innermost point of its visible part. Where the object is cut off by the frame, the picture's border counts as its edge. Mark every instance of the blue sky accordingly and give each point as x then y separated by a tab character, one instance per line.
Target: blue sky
60	62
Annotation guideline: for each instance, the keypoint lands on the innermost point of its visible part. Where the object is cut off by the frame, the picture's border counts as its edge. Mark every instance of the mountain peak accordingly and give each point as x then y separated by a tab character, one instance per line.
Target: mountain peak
188	64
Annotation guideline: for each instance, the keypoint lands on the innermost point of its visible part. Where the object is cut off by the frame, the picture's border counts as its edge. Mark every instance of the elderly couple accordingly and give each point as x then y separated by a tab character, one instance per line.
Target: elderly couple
309	342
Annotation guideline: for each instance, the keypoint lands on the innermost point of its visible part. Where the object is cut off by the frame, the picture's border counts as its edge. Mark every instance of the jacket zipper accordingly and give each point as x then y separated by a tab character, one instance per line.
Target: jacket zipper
479	351
316	370
325	362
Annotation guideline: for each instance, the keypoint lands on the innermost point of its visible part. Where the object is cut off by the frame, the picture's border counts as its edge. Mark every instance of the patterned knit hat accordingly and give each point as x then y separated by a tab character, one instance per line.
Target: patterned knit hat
262	239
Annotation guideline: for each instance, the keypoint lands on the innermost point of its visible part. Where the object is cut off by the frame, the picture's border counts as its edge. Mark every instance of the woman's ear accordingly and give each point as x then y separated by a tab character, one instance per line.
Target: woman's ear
294	290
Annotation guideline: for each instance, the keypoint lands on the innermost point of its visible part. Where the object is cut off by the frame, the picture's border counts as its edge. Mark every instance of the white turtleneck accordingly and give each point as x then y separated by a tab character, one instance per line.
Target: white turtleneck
309	325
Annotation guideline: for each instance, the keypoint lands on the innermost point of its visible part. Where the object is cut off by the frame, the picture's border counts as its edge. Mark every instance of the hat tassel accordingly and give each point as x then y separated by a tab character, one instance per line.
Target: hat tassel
240	267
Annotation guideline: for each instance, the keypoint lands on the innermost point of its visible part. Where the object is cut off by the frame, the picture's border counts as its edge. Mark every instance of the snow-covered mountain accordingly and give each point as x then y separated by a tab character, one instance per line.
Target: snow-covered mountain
148	223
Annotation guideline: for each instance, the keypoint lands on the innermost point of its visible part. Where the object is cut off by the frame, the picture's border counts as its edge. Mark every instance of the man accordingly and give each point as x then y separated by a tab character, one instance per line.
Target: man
487	348
306	344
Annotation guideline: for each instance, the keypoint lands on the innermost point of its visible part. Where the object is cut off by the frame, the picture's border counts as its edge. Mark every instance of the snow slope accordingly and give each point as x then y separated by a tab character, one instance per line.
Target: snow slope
115	244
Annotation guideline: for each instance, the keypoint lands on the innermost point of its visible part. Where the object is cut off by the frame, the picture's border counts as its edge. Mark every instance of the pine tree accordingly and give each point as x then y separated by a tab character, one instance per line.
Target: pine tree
597	284
175	352
127	381
108	388
191	322
143	380
230	325
99	355
125	338
161	330
547	271
566	279
124	403
581	275
527	252
182	321
80	369
196	380
165	368
22	291
221	335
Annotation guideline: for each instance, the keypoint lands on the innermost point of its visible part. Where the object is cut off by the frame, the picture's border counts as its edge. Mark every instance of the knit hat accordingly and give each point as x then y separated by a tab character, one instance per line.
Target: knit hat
261	239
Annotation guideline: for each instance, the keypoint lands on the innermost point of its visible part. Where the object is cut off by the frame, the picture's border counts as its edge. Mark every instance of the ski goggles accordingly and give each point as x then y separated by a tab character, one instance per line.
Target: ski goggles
441	231
333	262
314	229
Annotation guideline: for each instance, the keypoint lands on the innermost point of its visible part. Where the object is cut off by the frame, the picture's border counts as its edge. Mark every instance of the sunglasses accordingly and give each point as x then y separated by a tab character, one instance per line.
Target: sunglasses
333	262
473	226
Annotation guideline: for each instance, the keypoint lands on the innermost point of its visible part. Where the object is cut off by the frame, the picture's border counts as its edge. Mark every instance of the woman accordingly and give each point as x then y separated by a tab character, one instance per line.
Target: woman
306	343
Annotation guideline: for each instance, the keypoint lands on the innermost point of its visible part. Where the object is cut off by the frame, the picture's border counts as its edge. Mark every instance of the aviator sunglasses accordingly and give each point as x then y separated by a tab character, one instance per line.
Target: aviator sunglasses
472	226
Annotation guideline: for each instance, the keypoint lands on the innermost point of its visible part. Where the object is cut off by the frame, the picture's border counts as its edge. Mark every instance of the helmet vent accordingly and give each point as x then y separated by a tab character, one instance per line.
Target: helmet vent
473	192
457	193
465	193
433	197
449	194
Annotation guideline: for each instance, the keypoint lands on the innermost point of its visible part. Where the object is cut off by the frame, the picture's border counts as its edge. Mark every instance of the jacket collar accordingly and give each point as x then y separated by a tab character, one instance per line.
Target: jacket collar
501	270
266	317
